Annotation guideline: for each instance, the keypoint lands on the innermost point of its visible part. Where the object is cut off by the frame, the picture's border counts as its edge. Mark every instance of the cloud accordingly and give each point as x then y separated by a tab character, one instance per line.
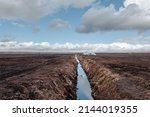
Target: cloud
132	17
70	47
58	24
7	38
141	3
35	9
136	39
17	24
36	30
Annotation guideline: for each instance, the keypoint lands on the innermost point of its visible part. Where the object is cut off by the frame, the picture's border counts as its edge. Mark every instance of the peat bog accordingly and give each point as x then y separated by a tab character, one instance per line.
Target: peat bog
55	76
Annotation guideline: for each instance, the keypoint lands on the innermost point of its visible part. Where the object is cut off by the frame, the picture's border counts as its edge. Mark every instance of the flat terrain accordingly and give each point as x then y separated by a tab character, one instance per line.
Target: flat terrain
126	64
54	76
119	76
37	76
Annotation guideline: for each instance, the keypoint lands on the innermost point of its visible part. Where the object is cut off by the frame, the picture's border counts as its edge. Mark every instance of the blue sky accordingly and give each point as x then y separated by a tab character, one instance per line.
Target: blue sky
69	21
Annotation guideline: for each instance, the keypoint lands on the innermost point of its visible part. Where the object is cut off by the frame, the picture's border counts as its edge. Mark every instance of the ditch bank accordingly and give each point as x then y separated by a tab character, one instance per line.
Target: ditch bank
54	78
107	85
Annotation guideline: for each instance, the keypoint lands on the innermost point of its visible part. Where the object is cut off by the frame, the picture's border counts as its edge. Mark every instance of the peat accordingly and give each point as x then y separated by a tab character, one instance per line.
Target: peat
118	76
38	76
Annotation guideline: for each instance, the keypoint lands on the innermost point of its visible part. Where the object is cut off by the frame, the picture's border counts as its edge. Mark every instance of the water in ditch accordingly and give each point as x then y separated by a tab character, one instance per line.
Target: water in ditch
83	86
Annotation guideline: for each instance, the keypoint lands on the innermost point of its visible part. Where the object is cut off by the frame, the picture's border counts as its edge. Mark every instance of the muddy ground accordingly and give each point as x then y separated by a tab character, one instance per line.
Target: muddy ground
118	76
37	76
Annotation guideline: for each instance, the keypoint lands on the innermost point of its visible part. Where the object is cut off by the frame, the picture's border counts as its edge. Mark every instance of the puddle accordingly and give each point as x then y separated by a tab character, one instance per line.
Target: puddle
83	86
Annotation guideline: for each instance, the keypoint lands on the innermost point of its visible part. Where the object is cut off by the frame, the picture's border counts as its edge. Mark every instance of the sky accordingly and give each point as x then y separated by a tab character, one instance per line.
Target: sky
74	25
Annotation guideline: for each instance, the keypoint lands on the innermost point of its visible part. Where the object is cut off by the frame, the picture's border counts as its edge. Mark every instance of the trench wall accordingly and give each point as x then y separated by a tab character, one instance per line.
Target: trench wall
54	79
108	85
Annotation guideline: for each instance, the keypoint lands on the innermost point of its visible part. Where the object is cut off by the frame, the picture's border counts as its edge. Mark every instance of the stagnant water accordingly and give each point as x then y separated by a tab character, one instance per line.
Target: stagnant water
83	86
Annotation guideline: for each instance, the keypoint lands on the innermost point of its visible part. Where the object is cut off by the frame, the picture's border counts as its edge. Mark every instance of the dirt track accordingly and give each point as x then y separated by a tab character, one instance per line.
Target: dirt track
118	76
37	76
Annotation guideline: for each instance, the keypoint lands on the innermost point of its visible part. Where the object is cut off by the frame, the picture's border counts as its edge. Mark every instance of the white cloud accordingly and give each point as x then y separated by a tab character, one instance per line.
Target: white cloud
35	9
70	47
136	39
143	4
58	24
132	17
17	24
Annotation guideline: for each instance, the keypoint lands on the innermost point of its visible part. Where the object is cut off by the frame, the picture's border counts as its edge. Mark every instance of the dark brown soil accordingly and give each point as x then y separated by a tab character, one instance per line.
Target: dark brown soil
37	76
118	76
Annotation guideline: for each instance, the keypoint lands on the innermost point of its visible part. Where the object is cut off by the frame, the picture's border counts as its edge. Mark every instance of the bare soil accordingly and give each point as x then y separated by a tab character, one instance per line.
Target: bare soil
118	76
37	76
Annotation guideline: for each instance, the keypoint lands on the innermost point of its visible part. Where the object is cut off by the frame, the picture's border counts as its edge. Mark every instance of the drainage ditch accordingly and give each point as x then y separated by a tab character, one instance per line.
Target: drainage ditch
83	85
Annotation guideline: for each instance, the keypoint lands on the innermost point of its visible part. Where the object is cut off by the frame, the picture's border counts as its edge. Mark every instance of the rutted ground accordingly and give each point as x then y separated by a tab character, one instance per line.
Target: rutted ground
37	76
118	76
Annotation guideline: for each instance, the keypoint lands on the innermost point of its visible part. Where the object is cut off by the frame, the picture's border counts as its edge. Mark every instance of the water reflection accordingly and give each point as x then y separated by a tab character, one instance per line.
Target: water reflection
83	85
